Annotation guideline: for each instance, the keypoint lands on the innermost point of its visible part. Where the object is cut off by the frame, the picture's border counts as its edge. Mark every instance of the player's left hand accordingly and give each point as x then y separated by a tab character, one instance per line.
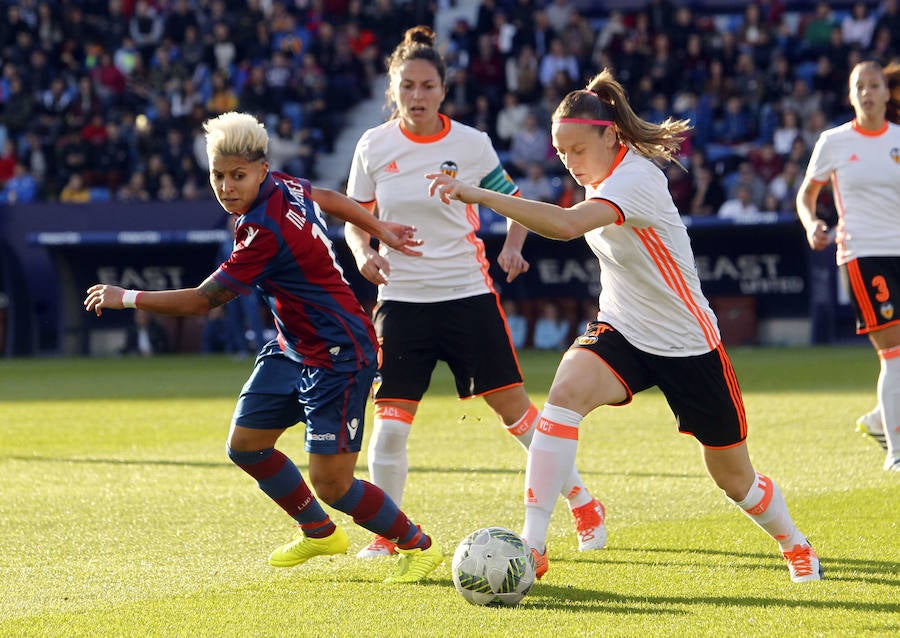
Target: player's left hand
401	238
448	188
512	263
101	296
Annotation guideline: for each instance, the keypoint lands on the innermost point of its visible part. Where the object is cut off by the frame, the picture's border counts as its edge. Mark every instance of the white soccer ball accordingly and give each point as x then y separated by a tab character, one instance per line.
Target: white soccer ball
493	565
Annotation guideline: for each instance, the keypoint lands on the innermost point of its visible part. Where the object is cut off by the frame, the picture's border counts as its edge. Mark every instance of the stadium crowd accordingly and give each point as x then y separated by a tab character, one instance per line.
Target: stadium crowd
104	99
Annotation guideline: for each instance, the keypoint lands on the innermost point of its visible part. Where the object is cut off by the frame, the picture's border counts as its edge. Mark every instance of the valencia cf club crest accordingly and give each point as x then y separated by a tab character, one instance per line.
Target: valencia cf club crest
449	168
895	155
887	310
584	340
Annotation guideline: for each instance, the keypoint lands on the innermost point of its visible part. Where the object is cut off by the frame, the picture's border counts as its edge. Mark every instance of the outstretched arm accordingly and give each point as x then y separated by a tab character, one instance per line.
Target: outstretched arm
185	301
543	218
397	236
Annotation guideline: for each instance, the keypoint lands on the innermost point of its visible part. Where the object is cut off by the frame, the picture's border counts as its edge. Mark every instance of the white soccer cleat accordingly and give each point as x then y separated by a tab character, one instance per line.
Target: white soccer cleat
378	548
803	563
870	426
590	525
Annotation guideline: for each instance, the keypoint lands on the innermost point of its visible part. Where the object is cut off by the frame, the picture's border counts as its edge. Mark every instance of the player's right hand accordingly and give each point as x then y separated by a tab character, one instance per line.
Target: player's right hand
817	235
101	296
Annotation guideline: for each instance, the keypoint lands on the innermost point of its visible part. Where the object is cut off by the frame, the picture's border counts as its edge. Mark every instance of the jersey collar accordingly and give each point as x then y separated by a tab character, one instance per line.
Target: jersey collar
867	133
427	139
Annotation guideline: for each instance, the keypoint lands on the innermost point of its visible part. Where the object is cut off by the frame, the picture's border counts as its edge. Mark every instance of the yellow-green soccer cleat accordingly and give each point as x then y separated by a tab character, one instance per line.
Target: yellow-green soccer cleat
302	548
416	564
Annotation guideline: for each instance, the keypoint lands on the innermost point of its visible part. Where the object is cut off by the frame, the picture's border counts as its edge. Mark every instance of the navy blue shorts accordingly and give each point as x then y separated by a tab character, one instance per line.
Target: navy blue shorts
281	392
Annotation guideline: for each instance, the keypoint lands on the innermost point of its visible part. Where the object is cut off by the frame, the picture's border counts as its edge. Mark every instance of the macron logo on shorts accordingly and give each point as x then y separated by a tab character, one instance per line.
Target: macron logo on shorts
353	427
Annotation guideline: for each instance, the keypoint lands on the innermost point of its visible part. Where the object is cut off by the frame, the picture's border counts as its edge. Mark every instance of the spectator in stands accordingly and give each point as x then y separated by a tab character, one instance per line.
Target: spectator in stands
223	97
551	331
707	195
741	206
785	185
868	235
145	337
765	161
510	119
529	144
858	26
8	160
816	30
535	184
557	59
523	75
888	17
21	188
289	149
75	191
746	177
787	131
486	70
135	190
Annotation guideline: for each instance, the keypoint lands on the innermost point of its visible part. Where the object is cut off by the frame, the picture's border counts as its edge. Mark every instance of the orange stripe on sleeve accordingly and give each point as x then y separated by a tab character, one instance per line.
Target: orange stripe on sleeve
889	353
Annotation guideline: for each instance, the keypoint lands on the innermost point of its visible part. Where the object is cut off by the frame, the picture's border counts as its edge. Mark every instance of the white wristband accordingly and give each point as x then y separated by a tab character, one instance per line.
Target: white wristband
129	299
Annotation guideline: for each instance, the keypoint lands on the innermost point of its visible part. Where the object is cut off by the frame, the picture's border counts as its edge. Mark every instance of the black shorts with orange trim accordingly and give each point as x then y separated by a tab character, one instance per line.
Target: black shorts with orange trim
701	390
874	285
470	334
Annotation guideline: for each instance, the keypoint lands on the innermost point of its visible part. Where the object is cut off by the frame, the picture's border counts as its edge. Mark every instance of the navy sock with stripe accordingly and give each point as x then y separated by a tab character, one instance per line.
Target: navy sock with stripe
278	477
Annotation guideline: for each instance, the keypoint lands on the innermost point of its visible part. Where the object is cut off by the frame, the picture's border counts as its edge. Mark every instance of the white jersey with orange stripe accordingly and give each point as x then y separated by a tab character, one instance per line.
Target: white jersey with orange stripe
389	168
650	289
865	171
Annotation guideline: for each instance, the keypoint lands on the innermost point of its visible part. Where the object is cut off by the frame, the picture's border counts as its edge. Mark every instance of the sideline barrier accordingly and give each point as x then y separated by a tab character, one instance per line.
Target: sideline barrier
54	252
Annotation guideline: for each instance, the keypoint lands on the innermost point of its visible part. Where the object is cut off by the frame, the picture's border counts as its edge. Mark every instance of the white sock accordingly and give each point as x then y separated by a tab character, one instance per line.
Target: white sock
551	457
388	461
765	505
889	400
573	489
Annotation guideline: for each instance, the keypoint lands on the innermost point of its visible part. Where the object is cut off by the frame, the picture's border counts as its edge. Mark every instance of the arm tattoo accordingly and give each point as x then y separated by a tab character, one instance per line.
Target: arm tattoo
215	293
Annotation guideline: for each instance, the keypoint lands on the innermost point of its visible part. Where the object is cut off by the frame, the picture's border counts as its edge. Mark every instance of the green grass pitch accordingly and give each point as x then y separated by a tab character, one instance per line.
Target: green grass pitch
120	514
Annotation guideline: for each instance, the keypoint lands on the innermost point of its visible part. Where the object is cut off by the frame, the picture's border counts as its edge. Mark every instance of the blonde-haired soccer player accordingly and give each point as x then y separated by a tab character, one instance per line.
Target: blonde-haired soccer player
318	370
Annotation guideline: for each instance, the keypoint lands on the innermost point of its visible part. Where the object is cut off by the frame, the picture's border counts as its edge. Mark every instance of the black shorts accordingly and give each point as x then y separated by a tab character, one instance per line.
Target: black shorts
469	334
874	284
702	390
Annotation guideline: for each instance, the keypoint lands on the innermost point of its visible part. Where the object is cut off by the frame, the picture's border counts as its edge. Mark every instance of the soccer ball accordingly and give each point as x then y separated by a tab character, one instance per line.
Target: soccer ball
493	565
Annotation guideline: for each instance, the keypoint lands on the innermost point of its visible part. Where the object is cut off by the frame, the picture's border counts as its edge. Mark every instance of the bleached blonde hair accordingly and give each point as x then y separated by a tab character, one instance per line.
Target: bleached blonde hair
236	133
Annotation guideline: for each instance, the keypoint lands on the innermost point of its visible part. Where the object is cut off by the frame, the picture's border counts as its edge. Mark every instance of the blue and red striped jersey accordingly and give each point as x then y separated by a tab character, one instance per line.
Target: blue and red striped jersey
282	249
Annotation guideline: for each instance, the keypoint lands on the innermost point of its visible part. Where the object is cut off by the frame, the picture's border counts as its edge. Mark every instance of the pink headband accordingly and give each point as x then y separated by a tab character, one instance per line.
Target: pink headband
579	120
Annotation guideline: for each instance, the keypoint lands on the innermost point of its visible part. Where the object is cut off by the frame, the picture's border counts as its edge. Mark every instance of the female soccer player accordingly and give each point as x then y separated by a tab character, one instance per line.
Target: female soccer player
319	369
441	306
654	326
862	160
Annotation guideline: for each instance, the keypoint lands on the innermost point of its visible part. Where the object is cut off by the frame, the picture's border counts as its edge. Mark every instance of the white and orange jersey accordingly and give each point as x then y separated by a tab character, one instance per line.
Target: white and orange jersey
650	290
864	168
389	168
